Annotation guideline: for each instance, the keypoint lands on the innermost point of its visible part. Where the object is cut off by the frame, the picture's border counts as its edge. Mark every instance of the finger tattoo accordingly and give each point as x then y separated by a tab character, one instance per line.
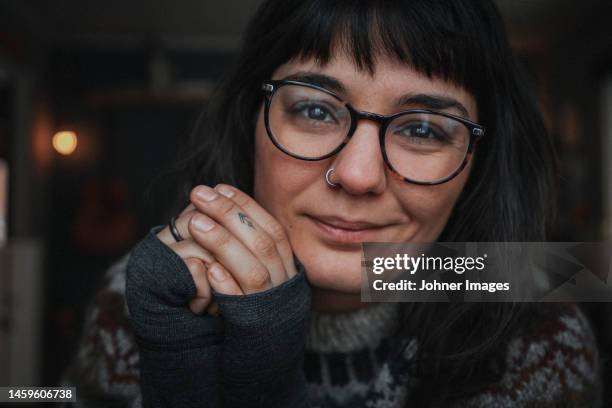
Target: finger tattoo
245	220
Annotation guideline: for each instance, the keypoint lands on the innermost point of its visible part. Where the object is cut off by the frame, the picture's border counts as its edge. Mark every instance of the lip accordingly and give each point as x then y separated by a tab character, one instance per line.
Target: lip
346	231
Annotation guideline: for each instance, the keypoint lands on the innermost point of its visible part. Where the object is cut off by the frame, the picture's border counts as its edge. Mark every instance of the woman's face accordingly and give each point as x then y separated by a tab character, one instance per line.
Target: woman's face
327	225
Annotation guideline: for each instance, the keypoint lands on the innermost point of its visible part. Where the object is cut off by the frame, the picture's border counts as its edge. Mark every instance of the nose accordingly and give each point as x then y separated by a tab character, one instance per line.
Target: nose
359	167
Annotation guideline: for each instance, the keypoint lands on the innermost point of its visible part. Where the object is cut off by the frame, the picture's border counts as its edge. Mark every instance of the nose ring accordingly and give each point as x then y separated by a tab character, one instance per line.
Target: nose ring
328	178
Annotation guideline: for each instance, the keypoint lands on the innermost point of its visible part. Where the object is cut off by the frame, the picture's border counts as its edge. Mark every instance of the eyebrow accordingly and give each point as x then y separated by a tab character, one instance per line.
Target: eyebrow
427	101
323	81
435	102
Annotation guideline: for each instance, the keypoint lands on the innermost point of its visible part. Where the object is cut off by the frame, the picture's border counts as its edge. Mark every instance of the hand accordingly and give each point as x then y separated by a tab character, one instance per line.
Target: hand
251	246
244	238
264	330
196	259
258	346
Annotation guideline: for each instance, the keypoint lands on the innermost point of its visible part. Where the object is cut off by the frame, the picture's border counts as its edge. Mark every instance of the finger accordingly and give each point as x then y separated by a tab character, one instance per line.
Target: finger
198	305
213	309
227	213
270	224
222	281
181	223
203	293
190	249
245	268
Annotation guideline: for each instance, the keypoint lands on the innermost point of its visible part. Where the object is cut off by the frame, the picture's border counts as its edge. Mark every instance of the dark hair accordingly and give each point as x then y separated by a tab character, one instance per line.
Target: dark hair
509	194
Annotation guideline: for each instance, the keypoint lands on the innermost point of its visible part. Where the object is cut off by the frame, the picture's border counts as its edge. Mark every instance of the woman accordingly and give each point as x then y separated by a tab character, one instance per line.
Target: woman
346	122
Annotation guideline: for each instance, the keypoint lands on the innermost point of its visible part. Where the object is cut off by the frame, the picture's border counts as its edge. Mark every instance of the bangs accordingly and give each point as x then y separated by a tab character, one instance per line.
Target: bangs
436	38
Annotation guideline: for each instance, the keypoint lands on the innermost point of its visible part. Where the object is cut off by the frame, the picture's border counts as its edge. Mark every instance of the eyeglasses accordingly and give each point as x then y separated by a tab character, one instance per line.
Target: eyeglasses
421	146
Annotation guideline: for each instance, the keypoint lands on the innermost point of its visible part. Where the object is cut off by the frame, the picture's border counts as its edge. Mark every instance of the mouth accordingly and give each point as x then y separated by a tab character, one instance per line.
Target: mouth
339	230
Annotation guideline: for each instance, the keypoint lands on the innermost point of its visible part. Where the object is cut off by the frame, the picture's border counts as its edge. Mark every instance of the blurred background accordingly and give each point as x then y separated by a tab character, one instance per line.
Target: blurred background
96	97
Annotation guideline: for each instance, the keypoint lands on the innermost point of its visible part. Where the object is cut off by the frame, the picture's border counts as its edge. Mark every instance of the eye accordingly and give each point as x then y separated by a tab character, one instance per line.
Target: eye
313	112
421	133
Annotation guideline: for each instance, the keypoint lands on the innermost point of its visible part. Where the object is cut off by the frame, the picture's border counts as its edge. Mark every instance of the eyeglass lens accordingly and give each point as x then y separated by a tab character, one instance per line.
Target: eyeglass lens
422	147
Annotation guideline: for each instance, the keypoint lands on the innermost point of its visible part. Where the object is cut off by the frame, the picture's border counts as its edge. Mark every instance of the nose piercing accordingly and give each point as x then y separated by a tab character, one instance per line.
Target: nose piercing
328	178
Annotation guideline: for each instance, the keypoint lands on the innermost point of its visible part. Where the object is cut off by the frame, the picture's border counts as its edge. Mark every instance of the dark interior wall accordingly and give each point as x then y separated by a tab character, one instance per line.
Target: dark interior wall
580	63
567	53
100	204
97	214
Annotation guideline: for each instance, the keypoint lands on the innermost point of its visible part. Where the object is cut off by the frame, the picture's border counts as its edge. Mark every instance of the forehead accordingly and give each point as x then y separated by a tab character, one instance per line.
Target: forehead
389	80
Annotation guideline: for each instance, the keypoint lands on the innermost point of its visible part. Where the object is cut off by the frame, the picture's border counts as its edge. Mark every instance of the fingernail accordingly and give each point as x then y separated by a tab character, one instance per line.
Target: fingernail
206	193
202	223
217	273
225	190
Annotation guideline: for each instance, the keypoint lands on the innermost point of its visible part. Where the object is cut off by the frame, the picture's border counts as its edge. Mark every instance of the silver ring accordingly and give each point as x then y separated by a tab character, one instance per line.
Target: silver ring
328	178
173	230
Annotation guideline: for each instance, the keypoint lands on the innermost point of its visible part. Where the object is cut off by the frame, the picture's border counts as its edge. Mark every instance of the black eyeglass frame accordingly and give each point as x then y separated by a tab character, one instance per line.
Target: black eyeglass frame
476	131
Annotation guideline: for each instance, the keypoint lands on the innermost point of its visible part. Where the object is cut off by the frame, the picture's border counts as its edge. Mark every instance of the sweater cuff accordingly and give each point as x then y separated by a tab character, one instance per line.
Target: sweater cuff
158	289
272	307
264	344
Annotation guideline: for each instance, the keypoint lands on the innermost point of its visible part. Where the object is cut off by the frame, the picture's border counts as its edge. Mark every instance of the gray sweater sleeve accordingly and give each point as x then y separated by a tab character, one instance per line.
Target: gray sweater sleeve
252	355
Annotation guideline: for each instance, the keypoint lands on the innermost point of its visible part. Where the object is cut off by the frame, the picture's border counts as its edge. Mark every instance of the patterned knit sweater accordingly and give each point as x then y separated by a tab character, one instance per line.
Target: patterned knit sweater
347	359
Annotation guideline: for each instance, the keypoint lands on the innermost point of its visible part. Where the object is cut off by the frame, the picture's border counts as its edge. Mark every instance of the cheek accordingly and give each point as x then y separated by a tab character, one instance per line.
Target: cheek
279	178
265	185
430	206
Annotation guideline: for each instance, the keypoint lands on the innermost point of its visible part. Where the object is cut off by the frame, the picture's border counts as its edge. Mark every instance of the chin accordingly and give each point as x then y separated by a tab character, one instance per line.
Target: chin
346	283
332	270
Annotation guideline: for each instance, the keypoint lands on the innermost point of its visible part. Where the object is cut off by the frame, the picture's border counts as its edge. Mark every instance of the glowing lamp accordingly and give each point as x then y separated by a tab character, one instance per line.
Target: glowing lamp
65	142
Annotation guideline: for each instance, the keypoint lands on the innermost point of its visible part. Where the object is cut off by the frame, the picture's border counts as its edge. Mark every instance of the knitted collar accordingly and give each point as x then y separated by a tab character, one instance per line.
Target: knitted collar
350	331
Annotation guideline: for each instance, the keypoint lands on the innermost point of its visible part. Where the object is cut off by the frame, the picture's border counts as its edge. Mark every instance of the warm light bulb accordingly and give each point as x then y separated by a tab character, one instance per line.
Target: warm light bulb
65	142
